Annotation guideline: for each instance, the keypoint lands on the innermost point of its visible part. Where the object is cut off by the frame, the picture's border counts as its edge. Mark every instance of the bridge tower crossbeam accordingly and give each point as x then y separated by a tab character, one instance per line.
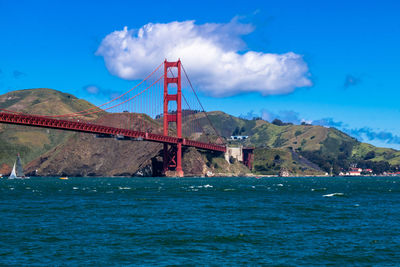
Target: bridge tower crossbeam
173	157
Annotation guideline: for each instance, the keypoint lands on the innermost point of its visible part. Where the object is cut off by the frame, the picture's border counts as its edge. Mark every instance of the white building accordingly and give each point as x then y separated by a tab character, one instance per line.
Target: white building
235	152
239	137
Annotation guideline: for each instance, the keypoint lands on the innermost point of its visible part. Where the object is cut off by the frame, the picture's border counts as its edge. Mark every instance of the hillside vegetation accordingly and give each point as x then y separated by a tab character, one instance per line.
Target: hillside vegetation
32	142
300	149
50	152
325	148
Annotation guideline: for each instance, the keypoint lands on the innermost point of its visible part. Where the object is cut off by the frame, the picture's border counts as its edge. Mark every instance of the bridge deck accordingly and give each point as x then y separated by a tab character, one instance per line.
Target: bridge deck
38	121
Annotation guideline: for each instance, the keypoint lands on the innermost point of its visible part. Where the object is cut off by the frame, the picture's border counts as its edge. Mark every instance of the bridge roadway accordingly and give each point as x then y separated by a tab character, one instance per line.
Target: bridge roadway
44	122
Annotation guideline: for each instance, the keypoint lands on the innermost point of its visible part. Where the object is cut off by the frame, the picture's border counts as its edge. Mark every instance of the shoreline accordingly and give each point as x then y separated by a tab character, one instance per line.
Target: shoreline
218	175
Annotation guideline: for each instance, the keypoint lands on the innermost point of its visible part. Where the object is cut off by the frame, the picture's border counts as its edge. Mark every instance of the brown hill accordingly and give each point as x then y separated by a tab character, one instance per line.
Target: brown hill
32	142
301	149
56	152
5	169
84	155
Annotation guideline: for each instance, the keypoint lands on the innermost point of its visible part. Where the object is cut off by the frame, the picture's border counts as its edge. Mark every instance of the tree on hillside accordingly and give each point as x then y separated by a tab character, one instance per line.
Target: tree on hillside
236	131
277	122
370	155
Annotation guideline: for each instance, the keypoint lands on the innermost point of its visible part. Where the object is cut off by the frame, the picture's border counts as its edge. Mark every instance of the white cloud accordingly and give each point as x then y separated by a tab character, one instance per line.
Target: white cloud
91	89
213	54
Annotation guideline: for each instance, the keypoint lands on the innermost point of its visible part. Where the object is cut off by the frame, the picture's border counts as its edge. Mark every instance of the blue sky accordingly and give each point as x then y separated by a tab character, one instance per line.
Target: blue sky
350	49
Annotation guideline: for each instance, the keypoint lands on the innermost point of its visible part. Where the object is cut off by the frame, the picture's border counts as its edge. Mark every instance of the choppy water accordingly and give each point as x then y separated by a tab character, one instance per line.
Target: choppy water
200	221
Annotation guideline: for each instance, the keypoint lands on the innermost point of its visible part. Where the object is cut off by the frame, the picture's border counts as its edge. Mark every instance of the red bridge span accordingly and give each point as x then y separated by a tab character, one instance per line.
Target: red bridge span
162	97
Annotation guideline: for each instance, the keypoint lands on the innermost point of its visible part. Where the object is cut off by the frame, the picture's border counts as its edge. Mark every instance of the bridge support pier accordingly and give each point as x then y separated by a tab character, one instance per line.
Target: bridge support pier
179	170
173	157
165	158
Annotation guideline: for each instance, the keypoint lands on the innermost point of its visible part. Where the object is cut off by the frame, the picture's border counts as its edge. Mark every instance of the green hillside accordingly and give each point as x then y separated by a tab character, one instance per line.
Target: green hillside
301	149
326	147
32	142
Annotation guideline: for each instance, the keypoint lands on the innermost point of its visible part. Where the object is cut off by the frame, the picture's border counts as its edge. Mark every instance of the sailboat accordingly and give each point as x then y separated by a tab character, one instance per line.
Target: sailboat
17	171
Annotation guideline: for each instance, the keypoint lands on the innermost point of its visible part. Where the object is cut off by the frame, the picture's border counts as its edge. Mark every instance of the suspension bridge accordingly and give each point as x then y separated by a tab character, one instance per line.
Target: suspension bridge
163	108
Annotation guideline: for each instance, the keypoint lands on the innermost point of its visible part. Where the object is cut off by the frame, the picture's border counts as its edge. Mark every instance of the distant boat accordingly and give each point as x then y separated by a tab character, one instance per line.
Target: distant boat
64	178
18	171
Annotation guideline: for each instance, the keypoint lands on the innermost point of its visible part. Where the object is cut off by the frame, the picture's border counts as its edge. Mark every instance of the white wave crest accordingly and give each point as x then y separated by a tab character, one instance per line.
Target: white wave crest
334	195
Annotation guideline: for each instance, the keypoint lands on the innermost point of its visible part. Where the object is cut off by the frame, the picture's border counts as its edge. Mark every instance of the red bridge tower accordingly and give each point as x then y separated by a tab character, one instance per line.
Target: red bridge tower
173	154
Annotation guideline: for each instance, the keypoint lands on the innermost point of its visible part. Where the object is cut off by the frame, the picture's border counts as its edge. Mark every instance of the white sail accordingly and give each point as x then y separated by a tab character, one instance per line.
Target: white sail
13	174
18	171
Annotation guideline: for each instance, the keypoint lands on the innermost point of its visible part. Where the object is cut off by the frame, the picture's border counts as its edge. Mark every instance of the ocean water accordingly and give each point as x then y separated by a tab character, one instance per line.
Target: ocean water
200	221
